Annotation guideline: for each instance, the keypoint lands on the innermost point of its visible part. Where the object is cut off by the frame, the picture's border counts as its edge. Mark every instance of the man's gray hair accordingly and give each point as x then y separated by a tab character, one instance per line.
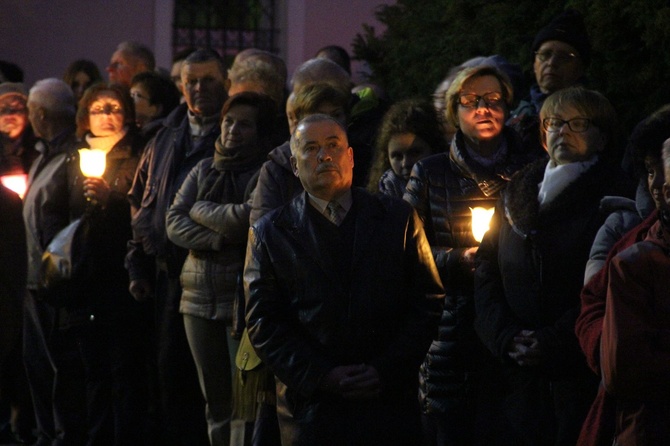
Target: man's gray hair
260	72
311	119
54	95
320	70
138	52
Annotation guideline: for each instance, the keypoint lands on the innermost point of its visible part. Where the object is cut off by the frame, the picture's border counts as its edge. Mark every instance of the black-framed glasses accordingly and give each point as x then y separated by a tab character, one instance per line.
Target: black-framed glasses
106	110
135	95
577	125
471	100
559	56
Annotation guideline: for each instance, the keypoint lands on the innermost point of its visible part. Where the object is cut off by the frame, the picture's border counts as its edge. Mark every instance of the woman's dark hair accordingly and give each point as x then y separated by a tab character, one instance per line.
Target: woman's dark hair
337	54
266	116
92	93
83	65
161	90
648	137
415	116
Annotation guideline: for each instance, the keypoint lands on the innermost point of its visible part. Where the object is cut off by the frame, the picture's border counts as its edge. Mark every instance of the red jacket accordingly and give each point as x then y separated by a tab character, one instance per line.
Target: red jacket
598	428
635	346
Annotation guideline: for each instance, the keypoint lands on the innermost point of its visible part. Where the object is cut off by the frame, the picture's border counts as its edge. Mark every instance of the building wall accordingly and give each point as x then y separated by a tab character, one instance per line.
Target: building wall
44	36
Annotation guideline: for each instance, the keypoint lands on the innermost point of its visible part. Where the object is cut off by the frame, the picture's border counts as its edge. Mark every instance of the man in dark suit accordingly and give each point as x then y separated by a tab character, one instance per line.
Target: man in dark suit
343	301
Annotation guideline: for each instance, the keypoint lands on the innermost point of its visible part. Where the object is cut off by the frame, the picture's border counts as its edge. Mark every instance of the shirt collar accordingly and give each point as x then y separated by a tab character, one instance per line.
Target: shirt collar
345	200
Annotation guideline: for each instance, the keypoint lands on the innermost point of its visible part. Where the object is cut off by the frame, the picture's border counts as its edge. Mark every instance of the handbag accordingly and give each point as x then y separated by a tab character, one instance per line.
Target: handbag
61	259
253	383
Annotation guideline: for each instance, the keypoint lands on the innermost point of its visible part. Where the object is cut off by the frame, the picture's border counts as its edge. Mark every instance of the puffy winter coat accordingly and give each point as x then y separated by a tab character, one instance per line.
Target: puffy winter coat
443	188
216	236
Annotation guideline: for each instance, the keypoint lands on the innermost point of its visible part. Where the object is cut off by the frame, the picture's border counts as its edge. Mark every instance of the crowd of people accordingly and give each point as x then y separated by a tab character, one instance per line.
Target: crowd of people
275	260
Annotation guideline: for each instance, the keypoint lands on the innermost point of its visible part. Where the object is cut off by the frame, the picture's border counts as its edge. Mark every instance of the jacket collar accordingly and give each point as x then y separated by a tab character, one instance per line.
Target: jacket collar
522	208
490	181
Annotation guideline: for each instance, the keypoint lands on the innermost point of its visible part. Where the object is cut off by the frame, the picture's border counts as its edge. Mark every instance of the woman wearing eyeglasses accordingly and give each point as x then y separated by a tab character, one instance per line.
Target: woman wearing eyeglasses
104	327
483	156
530	270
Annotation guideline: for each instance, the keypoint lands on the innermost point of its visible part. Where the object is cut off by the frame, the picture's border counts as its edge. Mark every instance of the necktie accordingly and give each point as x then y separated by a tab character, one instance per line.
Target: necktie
334	214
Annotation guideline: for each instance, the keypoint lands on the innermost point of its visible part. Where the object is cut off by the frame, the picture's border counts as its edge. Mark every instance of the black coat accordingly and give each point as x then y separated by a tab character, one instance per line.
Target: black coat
101	287
303	323
165	163
530	270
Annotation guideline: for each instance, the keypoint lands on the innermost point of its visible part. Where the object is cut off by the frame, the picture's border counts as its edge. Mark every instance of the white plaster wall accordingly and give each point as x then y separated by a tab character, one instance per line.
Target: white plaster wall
44	36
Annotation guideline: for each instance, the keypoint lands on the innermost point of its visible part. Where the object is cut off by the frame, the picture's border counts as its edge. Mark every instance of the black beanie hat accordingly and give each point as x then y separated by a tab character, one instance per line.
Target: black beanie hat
567	27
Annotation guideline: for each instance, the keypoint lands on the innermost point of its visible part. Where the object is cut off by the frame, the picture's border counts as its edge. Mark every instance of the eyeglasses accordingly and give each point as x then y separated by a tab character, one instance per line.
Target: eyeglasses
492	99
12	111
135	95
116	65
106	110
577	125
558	56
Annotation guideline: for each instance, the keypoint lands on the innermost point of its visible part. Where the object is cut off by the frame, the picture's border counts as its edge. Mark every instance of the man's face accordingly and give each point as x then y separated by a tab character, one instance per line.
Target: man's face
175	74
13	116
557	65
35	118
204	87
323	160
122	68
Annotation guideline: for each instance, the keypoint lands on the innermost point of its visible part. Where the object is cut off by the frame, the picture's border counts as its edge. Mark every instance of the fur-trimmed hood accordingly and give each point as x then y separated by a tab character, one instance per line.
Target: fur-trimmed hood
520	198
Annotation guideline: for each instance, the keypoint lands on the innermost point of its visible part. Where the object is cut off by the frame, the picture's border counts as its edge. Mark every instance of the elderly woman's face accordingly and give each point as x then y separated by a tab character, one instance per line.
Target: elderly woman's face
571	137
238	127
483	118
105	114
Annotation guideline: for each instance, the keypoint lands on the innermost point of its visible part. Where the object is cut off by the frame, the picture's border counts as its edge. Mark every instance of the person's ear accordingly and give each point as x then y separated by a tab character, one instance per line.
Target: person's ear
350	151
294	166
666	193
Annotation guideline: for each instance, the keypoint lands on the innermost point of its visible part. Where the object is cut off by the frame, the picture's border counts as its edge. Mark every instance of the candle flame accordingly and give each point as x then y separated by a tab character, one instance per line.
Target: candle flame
17	183
92	162
481	217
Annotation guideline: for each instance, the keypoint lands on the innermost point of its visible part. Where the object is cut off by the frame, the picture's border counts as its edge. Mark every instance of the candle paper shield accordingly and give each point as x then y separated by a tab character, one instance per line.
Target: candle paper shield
481	217
92	162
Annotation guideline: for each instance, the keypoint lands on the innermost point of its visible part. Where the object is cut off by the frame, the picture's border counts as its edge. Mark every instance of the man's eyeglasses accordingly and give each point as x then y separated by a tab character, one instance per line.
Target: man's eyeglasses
106	110
493	99
577	125
116	65
558	56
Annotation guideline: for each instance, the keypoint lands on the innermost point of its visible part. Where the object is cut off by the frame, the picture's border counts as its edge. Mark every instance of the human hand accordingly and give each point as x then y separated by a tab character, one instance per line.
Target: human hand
96	190
525	349
468	258
353	382
140	289
363	385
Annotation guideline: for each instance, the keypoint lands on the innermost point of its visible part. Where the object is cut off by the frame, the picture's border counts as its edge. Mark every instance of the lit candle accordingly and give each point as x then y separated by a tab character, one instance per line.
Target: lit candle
18	183
481	217
92	162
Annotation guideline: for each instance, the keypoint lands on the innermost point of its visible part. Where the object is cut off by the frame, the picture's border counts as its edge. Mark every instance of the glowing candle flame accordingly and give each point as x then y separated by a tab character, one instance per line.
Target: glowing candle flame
481	217
92	162
18	183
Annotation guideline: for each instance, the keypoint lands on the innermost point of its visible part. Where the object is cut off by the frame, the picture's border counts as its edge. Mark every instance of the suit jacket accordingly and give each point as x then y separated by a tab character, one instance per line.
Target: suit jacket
303	323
